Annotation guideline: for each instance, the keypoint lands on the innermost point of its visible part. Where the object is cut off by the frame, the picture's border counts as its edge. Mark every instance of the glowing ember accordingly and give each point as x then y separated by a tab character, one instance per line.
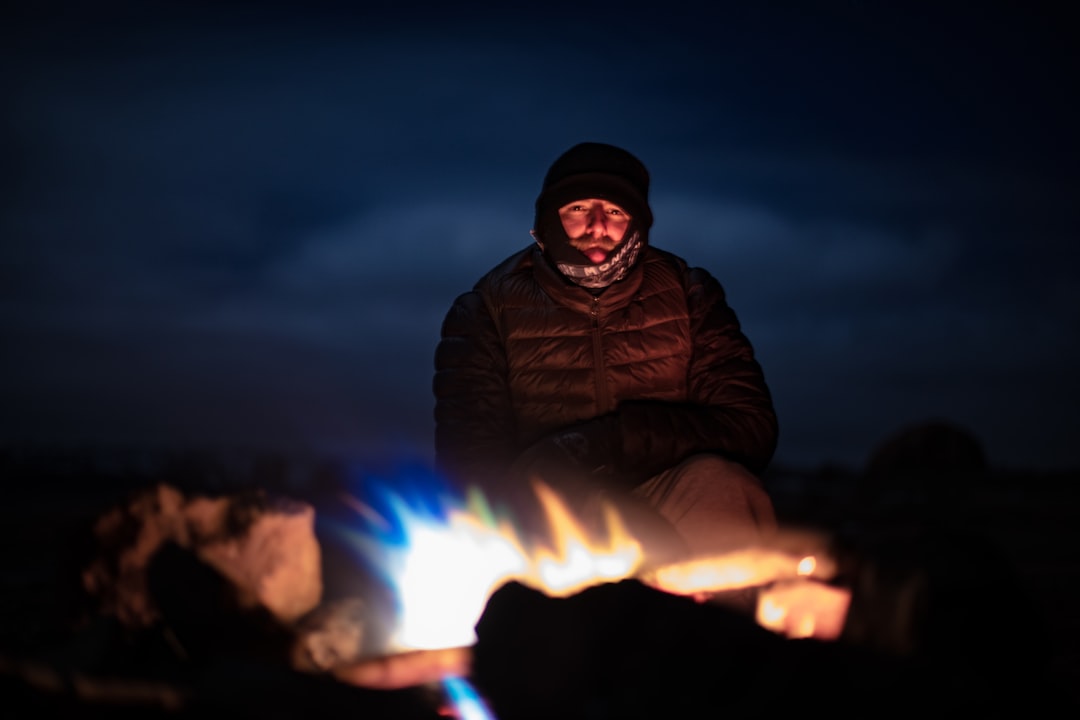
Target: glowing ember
803	609
748	567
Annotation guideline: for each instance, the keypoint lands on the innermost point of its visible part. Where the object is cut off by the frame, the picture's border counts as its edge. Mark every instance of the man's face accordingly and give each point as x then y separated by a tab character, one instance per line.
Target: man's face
594	226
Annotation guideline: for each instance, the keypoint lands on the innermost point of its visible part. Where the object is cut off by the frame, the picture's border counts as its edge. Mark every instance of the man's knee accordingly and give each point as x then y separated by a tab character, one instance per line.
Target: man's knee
716	485
712	466
712	471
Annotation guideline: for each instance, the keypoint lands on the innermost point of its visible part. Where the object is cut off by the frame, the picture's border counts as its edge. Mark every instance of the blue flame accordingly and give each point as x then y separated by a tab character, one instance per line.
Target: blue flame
440	552
411	493
467	703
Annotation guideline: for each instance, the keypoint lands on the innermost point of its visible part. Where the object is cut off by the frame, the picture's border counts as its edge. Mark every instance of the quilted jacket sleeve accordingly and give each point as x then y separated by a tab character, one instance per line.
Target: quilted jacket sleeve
730	410
474	421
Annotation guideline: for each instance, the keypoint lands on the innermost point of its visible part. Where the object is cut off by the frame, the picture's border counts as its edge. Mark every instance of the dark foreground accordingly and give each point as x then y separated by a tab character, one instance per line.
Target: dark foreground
998	635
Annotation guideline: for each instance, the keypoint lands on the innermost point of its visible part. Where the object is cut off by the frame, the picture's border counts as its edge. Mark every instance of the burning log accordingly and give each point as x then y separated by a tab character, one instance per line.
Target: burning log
406	669
780	583
752	566
804	609
628	650
334	640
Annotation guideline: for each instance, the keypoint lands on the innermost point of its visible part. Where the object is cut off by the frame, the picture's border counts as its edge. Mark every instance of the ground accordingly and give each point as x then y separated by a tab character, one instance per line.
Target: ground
1012	543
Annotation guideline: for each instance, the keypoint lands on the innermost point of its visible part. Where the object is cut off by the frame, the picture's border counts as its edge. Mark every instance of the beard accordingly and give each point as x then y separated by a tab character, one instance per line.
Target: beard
586	242
614	268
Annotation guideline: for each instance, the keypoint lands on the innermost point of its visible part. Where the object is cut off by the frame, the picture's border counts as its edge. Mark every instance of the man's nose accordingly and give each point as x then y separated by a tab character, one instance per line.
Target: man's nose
597	221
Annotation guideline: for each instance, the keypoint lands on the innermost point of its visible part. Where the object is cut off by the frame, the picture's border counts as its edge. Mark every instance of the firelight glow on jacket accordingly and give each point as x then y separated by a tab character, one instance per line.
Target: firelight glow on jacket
656	364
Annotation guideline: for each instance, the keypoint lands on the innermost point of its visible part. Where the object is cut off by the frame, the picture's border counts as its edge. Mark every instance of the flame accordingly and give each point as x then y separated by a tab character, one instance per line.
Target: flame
576	563
443	557
447	561
444	568
465	703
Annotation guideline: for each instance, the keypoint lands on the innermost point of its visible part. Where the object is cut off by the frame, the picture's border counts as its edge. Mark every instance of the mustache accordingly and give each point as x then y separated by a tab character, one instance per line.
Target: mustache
586	241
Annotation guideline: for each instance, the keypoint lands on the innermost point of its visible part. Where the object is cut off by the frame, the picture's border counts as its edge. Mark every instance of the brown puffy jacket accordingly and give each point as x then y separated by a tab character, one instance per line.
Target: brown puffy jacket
659	355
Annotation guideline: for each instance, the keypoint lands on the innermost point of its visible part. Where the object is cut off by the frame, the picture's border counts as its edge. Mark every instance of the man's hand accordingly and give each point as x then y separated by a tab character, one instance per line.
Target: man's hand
589	451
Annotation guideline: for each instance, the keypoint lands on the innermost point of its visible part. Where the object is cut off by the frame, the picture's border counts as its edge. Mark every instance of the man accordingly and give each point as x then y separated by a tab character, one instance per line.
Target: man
593	361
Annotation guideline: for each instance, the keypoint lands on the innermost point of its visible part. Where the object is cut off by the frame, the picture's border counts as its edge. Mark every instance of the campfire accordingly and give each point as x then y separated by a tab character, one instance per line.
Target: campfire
468	610
445	560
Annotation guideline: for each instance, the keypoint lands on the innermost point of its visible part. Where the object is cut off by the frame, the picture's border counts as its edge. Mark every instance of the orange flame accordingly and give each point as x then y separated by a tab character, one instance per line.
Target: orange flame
576	563
743	568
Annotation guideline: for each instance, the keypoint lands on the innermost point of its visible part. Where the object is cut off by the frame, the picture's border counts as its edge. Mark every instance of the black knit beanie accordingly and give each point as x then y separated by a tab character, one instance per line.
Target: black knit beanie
592	170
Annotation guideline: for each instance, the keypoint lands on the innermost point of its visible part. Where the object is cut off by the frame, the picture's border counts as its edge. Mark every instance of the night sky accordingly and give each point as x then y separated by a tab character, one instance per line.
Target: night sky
230	223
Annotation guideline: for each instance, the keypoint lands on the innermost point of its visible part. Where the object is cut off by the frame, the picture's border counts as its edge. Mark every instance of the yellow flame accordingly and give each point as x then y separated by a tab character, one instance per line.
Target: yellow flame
576	563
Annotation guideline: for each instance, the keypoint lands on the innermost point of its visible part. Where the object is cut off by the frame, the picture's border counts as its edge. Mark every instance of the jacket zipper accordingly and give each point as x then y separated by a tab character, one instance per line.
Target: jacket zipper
598	358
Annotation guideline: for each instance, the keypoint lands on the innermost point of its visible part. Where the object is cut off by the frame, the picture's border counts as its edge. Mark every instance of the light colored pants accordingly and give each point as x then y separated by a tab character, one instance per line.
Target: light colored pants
713	503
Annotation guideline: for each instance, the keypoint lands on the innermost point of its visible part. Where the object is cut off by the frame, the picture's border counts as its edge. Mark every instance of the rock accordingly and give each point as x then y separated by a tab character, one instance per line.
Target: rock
331	635
265	547
935	460
274	554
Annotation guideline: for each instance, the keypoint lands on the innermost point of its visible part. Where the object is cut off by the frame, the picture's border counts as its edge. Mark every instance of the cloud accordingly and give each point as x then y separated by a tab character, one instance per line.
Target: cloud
211	233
